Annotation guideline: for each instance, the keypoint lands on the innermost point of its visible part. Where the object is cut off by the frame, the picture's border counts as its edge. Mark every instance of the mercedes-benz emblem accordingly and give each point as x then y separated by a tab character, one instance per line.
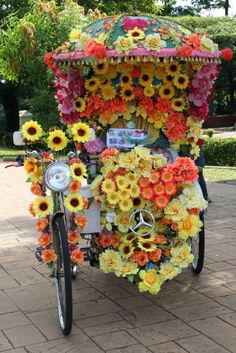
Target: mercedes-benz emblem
140	216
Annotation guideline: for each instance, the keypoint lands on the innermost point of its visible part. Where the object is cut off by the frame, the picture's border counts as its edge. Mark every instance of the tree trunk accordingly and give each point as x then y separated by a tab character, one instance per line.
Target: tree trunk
11	107
226	7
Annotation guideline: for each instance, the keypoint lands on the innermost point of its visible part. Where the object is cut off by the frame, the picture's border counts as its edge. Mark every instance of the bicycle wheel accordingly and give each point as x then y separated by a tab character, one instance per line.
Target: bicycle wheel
198	249
62	274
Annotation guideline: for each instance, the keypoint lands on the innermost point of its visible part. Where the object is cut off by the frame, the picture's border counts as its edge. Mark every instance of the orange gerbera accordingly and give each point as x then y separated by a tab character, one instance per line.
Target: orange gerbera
30	165
74	186
105	241
73	237
158	189
166	176
77	256
45	240
142	258
49	255
81	221
155	255
170	189
154	177
161	201
36	189
143	182
160	239
41	224
147	192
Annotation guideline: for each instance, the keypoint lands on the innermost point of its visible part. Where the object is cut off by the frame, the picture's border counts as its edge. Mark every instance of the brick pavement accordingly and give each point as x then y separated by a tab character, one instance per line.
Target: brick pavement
191	314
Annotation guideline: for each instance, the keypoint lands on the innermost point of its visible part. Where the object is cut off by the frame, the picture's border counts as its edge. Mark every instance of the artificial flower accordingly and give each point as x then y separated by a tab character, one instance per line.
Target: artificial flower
101	68
126	250
105	241
95	49
80	104
43	206
74	202
151	281
167	91
108	186
113	197
189	227
181	256
30	165
158	188
78	171
31	131
227	54
127	93
141	257
125	204
208	44
178	104
36	189
110	261
146	246
81	221
74	186
161	200
136	34
173	68
155	255
57	140
80	132
77	256
108	92
73	237
92	84
45	240
153	42
175	210
41	224
124	44
168	270
122	221
127	268
48	256
145	79
181	81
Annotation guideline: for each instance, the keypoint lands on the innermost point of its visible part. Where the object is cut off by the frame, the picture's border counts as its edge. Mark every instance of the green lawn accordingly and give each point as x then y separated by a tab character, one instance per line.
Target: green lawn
10	152
219	173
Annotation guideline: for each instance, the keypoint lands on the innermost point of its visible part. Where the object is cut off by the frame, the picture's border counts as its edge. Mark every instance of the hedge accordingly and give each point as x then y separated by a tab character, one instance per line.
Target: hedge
220	151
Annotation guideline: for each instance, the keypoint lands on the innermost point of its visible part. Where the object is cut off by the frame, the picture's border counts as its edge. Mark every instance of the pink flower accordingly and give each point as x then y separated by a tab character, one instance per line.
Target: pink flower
199	112
130	23
95	146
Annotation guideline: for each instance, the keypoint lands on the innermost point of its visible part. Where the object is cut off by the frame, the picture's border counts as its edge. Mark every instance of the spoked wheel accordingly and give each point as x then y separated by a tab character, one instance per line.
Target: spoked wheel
198	249
62	275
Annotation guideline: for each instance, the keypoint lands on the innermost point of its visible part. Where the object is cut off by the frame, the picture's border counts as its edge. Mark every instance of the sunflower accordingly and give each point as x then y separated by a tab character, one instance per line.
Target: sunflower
101	68
126	250
74	202
126	80
92	84
127	93
57	140
145	79
104	82
149	91
138	203
173	68
125	204
113	197
78	171
178	104
146	245
112	72
181	81
81	132
42	206
136	34
80	104
167	91
108	92
108	186
31	131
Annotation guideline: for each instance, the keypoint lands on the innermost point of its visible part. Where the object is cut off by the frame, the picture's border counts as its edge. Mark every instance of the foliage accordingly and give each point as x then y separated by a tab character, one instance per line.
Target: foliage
211	4
210	132
220	151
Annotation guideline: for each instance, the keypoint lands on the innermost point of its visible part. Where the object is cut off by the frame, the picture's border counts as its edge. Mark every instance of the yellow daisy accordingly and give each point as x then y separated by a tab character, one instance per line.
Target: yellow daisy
81	132
125	205
74	202
167	91
124	194
78	171
131	177
57	140
136	34
134	190
127	93
113	197
181	81
145	79
149	91
108	186
42	206
92	84
31	131
173	68
101	68
122	182
108	92
178	104
80	104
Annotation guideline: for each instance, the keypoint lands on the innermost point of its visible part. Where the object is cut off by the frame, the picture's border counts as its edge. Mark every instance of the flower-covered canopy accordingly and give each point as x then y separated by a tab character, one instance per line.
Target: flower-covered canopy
119	36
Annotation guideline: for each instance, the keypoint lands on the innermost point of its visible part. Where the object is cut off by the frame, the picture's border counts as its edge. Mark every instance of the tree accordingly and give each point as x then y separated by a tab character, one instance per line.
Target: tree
212	4
170	8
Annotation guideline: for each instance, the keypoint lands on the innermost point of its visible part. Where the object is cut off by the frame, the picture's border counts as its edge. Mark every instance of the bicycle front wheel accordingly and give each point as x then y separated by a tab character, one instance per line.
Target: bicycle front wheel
63	282
198	249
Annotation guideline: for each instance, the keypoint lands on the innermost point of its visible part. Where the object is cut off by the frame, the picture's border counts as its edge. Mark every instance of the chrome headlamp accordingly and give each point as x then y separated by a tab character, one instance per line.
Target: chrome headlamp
57	176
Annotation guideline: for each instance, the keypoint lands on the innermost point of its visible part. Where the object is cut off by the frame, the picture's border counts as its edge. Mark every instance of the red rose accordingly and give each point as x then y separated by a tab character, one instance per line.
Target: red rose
185	51
227	54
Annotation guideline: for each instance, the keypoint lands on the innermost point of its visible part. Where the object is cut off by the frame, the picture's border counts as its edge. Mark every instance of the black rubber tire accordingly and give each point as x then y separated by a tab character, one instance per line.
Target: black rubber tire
63	271
197	264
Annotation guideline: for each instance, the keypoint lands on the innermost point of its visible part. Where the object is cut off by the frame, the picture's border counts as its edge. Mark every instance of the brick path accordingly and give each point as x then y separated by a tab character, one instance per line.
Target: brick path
191	314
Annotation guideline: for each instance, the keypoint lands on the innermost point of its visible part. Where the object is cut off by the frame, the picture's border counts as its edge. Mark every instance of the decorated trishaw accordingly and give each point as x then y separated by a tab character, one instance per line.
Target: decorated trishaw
132	92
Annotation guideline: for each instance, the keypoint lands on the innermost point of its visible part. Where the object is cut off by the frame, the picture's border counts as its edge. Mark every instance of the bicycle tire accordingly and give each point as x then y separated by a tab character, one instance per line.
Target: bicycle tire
198	249
63	271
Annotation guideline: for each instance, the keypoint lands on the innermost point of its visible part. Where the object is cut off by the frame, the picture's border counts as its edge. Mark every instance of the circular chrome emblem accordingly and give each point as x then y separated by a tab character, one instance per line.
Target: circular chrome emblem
142	219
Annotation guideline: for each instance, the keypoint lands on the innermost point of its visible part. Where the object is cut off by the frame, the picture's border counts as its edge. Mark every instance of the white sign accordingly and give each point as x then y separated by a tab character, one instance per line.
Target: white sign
124	138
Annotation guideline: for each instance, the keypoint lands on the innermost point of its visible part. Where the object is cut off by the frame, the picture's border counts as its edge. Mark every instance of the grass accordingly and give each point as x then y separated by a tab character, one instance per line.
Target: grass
10	152
217	174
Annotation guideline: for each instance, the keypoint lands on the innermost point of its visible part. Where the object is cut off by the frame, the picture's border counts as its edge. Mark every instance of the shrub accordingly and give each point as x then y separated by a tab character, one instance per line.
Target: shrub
210	132
220	151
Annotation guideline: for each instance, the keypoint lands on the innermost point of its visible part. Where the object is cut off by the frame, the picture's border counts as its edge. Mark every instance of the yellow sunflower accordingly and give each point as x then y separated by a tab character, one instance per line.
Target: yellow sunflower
146	78
74	202
81	132
57	140
80	104
178	104
92	84
31	131
42	206
138	203
181	81
112	71
167	91
136	34
149	91
127	93
78	171
126	80
104	82
126	250
125	204
108	186
146	246
173	68
108	92
101	68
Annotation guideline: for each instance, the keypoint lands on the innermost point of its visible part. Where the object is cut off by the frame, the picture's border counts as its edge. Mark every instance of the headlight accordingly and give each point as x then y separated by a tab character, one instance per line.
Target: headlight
57	176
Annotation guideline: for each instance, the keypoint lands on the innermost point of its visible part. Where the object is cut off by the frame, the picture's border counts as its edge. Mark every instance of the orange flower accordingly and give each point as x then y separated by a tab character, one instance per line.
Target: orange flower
136	72
163	105
166	176
85	203
36	189
143	182
115	241
97	241
31	210
166	252
194	41
194	211
185	51
142	258
45	239
49	255
109	152
184	169
147	193
77	256
97	50
105	241
154	177
47	157
170	189
74	186
158	189
160	239
74	160
73	237
81	221
138	91
155	255
161	201
30	165
41	224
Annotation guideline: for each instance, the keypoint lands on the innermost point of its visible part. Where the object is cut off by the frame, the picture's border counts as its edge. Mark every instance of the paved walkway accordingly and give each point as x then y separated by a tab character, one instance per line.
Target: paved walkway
191	314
